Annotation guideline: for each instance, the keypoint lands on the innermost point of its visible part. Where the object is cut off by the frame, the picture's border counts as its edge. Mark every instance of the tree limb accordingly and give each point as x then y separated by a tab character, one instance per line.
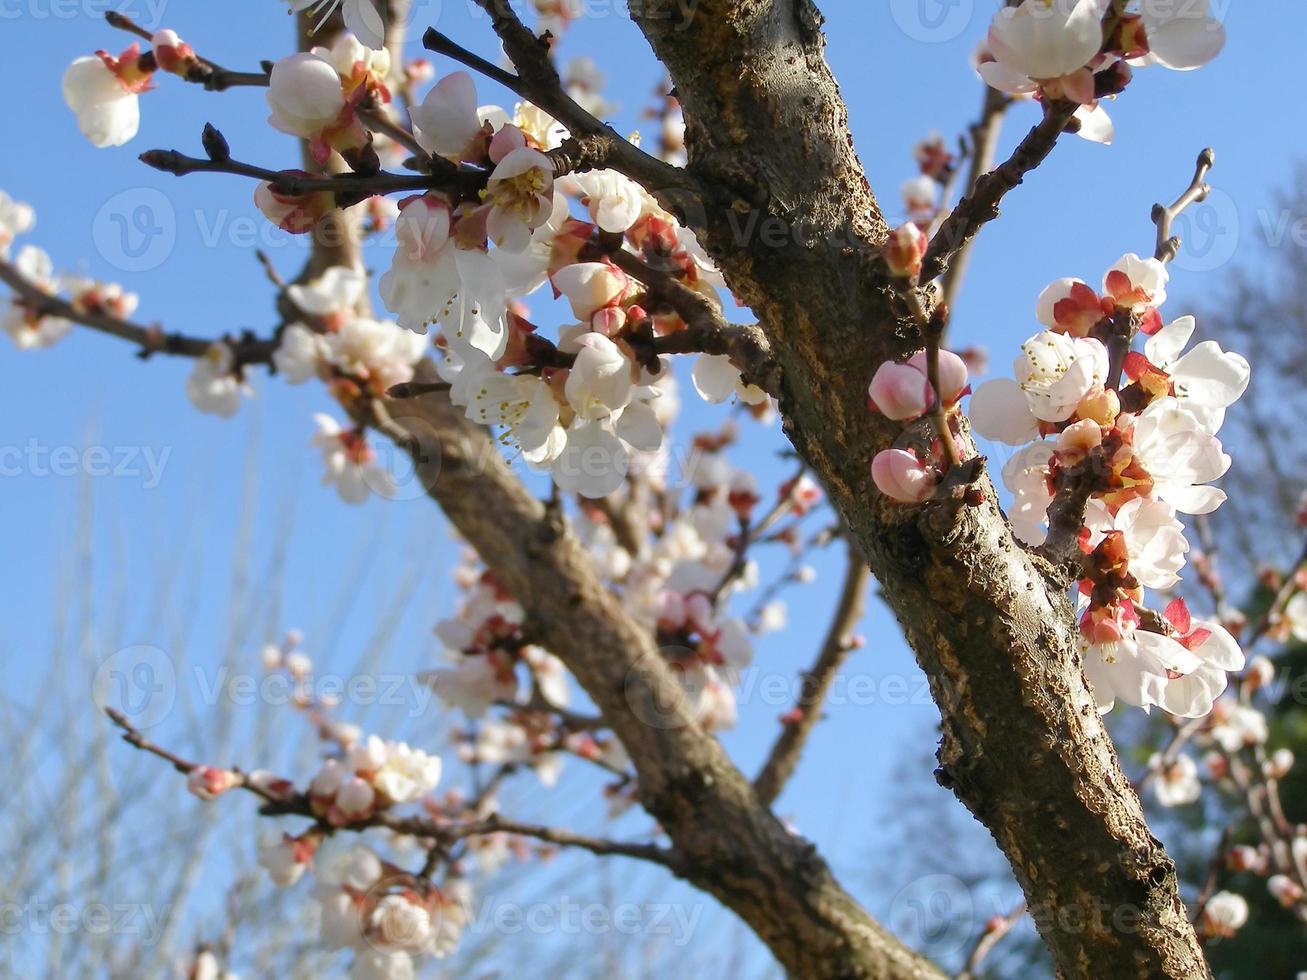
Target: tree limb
1023	743
784	756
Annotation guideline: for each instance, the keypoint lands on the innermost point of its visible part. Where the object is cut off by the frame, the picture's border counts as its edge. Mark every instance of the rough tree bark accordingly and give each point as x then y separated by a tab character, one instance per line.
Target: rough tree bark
794	226
732	845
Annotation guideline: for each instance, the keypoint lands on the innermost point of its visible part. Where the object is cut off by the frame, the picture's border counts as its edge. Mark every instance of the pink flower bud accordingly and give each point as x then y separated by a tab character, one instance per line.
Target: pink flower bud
295	213
900	392
901	476
952	374
172	54
1070	306
904	250
208	782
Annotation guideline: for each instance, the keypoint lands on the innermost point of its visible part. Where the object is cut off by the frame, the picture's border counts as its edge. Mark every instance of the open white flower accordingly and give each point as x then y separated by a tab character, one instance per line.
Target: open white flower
349	462
215	386
1176	783
520	196
304	94
1050	45
1180	455
15	219
1154	538
1181	36
1206	380
423	277
332	297
102	91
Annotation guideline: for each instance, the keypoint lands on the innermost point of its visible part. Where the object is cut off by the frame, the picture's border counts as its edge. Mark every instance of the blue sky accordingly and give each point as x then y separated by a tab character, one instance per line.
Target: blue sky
903	68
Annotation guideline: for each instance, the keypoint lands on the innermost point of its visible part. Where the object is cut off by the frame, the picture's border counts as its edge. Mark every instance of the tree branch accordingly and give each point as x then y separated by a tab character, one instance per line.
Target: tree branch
537	81
784	756
446	833
981	206
151	340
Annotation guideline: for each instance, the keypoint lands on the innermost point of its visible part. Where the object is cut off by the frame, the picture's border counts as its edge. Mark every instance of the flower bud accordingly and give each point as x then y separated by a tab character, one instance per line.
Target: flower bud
902	476
899	392
904	250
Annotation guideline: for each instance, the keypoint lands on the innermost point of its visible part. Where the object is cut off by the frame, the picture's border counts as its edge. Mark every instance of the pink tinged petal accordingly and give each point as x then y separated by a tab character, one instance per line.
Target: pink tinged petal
901	476
1000	411
952	374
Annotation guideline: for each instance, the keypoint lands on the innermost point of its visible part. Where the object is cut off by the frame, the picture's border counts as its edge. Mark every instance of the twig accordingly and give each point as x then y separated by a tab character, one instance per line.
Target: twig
1168	245
995	930
415	826
815	682
151	340
980	207
984	145
707	330
208	73
285	182
538	82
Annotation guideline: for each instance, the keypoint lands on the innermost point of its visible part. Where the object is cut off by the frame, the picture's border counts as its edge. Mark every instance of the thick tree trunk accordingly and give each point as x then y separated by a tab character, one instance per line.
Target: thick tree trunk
795	228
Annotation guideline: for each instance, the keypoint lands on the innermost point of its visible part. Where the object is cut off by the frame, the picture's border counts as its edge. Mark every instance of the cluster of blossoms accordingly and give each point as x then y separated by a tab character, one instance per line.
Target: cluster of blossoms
1056	50
29	324
583	406
1148	449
